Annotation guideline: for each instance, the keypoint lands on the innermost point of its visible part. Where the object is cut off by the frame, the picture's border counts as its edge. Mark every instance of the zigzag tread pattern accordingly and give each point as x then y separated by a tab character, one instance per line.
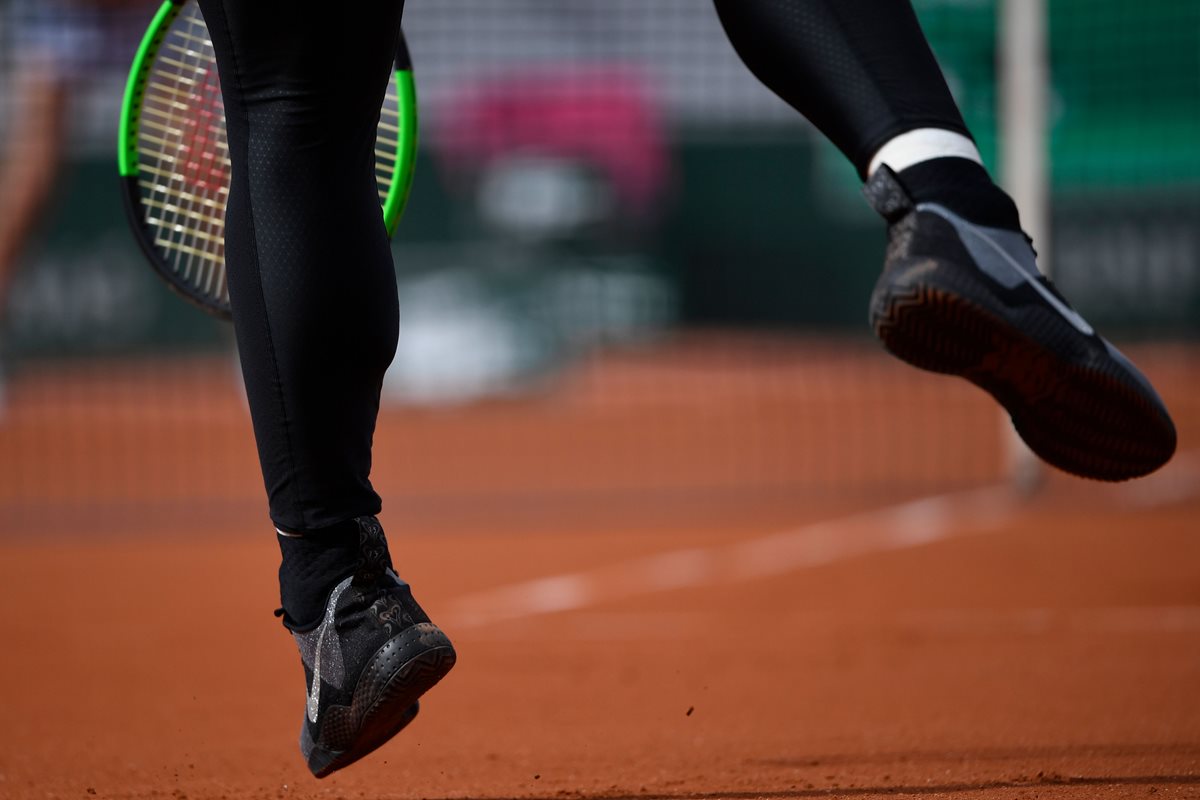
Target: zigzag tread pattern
387	714
930	329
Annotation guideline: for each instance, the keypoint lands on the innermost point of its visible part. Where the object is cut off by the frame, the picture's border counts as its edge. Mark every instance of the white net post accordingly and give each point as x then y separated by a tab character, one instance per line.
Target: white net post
1024	150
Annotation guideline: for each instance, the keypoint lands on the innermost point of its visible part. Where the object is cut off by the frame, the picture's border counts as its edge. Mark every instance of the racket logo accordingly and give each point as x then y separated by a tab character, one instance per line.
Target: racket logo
202	147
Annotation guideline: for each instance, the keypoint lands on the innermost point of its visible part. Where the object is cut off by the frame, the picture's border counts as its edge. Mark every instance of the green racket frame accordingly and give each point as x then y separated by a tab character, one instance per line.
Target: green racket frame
393	204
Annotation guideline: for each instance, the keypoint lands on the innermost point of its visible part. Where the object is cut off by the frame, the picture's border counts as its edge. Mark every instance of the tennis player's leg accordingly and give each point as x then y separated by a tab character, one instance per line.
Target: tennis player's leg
313	293
960	292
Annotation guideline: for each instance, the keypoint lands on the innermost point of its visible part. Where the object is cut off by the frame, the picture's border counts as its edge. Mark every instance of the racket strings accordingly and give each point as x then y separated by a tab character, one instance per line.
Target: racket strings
183	157
387	140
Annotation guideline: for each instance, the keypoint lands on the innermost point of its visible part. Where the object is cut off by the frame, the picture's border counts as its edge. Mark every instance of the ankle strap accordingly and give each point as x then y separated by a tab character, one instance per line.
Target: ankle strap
887	195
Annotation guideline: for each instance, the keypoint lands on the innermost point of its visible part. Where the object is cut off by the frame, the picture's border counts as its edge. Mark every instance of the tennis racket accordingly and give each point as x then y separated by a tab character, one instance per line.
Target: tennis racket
173	156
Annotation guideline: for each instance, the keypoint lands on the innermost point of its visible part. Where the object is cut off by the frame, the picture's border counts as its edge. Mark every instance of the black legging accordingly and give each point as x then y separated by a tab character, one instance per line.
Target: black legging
860	70
310	270
311	279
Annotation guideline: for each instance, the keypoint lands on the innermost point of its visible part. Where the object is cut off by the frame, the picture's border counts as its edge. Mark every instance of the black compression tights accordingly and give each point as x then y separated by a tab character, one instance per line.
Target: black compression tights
310	272
860	70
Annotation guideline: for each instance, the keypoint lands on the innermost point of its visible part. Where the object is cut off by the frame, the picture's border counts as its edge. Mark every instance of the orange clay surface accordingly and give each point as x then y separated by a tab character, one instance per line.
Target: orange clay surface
953	642
1054	655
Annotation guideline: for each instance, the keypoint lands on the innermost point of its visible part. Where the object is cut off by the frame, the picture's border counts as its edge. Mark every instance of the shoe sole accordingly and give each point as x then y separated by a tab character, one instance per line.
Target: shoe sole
1071	401
385	699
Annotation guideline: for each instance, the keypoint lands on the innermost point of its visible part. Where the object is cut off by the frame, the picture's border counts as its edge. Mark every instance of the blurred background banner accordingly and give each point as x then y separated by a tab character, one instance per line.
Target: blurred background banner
630	277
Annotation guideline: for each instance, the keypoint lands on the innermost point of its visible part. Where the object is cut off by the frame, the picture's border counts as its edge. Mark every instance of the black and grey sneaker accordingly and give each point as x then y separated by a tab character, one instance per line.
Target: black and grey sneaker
367	661
968	300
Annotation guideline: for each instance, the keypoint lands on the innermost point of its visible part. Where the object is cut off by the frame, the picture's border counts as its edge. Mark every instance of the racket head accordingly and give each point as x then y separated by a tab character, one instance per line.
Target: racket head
396	157
173	154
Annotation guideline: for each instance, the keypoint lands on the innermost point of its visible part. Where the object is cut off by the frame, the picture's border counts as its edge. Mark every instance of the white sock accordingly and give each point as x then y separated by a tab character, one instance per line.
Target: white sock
923	144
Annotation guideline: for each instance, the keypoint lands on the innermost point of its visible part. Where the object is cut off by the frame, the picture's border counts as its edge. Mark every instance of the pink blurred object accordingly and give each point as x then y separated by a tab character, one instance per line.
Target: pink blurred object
600	116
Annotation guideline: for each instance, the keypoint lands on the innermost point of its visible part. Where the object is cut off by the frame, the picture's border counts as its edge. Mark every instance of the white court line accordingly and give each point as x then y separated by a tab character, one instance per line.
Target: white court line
818	544
897	527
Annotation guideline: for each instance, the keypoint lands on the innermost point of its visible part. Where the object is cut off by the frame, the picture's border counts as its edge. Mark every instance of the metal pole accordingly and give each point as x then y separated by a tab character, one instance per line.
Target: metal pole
1024	141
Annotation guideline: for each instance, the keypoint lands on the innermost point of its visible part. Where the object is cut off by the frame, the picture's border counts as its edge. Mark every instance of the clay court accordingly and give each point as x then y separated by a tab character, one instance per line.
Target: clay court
669	574
694	535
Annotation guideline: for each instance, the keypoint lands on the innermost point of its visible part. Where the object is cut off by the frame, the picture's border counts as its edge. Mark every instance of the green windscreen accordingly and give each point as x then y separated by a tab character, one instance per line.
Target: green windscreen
1126	86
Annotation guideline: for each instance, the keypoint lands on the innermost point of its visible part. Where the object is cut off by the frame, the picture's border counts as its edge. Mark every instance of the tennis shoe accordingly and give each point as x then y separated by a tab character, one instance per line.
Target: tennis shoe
968	300
373	653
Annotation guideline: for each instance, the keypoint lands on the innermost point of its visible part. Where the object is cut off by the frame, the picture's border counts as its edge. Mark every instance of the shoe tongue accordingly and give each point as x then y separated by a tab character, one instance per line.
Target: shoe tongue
373	551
